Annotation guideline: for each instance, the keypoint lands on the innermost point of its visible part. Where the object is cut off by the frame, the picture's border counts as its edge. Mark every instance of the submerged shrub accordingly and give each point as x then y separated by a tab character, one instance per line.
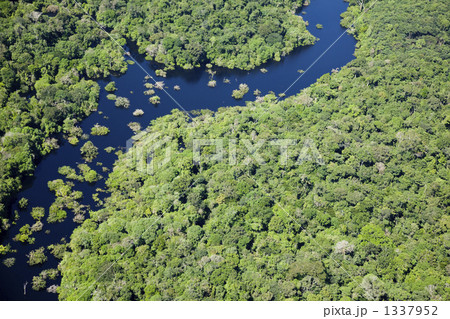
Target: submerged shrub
9	262
122	102
37	257
111	86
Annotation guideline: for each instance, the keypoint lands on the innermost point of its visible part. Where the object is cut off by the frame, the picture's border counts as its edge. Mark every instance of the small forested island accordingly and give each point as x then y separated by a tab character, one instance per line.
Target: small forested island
365	216
233	33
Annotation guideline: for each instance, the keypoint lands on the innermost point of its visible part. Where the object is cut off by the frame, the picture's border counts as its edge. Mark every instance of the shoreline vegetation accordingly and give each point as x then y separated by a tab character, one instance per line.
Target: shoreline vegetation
232	34
51	55
367	222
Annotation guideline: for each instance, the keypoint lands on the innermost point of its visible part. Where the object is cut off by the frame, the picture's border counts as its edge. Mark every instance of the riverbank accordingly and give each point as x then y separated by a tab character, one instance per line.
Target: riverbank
193	94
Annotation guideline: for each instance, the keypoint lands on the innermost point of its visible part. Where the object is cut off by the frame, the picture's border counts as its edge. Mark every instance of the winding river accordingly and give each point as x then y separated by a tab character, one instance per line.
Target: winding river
194	94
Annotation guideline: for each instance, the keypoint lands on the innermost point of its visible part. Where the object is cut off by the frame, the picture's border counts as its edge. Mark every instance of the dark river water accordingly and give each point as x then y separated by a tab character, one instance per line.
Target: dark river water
194	94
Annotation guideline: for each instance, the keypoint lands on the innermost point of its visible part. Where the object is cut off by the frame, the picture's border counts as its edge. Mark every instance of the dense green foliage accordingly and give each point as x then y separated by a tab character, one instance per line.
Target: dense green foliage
40	282
89	151
58	250
98	129
370	223
122	102
67	198
24	235
38	213
9	262
37	257
49	52
234	33
239	94
111	86
46	56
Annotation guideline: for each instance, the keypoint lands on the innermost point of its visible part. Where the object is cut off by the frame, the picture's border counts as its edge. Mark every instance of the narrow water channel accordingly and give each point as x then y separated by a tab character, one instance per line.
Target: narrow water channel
194	94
